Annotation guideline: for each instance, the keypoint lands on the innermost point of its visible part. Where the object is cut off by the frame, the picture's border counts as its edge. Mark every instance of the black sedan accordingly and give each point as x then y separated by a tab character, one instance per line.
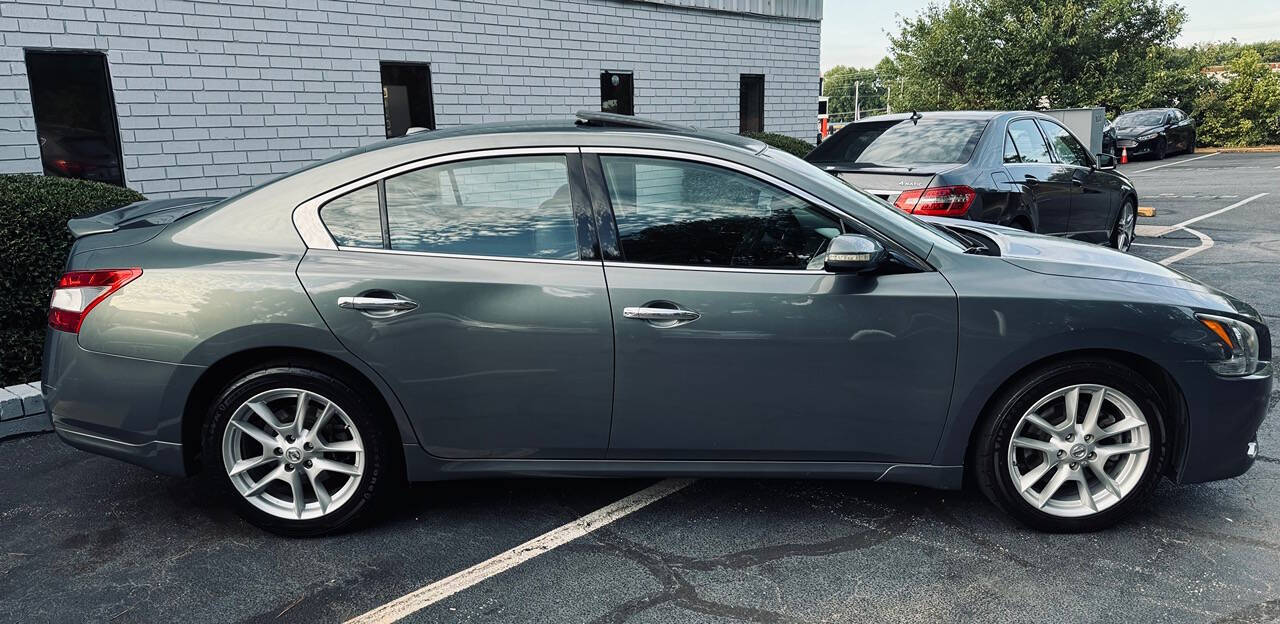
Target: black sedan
1155	132
1019	169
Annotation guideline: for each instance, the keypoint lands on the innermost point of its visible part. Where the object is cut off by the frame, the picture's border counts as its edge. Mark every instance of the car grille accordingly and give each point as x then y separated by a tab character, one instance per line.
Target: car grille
1126	143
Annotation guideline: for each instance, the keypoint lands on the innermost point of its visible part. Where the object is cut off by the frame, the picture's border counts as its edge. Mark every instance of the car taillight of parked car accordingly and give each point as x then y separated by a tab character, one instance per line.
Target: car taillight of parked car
79	291
940	201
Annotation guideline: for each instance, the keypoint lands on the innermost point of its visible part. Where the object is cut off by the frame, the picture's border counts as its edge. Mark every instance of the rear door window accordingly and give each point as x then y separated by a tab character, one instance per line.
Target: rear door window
902	142
1030	143
511	207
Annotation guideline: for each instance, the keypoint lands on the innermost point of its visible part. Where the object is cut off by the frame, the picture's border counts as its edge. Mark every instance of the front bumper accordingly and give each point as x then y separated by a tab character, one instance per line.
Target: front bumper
1223	417
1136	148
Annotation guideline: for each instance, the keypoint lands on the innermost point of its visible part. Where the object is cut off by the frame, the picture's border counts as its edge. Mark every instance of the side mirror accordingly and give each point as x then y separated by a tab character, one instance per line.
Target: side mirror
1106	161
853	253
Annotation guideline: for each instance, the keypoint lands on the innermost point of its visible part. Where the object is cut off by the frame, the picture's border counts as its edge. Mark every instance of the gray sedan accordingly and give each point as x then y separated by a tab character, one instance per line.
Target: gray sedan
623	297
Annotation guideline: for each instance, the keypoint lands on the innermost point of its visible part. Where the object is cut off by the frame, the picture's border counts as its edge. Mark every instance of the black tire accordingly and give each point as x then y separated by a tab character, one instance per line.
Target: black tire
989	459
1191	146
381	466
1162	149
1121	227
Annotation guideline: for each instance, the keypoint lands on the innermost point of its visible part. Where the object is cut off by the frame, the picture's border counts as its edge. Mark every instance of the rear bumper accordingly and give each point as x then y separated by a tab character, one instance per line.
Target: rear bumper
126	408
1223	414
163	457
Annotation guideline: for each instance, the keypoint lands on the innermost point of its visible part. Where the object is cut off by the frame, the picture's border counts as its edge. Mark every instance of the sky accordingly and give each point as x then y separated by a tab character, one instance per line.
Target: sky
853	31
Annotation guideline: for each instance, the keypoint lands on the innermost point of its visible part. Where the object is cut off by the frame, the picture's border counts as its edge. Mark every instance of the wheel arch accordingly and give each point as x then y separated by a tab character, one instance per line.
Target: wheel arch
1170	394
223	371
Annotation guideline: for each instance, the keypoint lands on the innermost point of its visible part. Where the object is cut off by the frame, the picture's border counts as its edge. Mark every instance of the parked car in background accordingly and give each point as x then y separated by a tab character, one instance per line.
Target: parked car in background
1155	132
622	297
1019	169
1109	138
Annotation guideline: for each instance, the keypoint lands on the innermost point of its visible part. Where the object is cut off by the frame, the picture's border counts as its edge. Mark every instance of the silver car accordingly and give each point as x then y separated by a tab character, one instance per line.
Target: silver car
623	297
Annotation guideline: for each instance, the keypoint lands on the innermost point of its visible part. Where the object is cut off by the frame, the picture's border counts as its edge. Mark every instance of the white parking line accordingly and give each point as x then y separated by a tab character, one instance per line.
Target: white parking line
1165	230
1205	244
1161	246
1176	162
421	598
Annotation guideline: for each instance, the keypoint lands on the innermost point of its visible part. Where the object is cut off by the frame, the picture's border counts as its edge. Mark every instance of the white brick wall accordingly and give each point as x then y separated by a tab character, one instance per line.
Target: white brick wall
214	96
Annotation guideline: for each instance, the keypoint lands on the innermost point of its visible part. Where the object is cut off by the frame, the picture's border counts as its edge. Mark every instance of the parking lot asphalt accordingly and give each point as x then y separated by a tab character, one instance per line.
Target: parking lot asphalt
83	538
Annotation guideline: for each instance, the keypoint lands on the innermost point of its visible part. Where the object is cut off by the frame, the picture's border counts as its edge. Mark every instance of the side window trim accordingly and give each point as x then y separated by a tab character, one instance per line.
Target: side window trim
606	221
306	216
1053	151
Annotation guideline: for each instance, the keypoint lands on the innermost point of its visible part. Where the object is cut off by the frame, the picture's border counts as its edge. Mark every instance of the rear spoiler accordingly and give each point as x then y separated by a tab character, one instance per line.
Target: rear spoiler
139	214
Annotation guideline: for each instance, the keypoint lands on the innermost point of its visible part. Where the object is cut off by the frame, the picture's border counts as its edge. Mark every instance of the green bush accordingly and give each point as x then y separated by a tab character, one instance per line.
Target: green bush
34	241
1243	111
783	142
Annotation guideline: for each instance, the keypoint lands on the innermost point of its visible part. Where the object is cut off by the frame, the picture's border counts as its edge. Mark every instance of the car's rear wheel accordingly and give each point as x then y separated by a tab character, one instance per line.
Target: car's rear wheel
297	450
1126	223
1077	446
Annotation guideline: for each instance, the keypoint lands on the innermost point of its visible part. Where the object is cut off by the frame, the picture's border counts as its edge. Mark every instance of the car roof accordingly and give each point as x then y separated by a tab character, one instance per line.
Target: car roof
1143	110
964	114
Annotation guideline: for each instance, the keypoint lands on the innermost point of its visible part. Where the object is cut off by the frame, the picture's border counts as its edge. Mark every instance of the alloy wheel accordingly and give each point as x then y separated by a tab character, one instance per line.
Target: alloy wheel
1125	227
293	453
1079	451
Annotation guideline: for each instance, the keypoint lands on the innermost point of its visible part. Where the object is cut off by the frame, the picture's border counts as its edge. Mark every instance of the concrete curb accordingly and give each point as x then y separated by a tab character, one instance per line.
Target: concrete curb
22	411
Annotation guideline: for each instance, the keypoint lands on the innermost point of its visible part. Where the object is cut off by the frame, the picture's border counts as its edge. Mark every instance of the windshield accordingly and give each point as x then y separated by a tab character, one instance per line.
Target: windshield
861	198
902	143
1140	119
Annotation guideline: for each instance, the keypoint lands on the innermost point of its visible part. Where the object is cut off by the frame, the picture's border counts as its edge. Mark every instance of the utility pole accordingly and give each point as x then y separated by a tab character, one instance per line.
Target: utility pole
857	106
888	91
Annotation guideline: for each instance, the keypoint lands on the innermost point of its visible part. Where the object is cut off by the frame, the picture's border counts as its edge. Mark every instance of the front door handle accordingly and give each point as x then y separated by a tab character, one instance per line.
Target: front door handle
1031	180
376	304
660	314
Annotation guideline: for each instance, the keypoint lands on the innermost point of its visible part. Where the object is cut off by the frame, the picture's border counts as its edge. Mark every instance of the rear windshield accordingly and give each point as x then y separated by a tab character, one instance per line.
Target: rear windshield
901	142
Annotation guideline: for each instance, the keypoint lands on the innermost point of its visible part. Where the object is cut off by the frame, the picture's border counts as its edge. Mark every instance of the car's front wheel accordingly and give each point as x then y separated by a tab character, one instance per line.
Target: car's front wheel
1076	446
1126	224
297	450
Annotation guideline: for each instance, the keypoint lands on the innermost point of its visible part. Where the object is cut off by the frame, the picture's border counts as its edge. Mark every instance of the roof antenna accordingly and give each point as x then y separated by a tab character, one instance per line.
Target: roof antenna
915	117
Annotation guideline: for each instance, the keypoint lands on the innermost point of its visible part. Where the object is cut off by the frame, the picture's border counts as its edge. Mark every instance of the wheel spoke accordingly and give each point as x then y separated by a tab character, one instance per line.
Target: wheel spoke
1033	443
300	413
1086	497
322	494
261	486
251	463
328	465
299	497
1107	451
1090	424
1105	479
1072	400
341	446
313	434
1128	424
1031	478
1048	427
1052	486
266	415
261	436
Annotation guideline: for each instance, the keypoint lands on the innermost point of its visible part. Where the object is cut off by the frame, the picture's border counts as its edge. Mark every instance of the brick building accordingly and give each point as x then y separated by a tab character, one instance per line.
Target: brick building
196	97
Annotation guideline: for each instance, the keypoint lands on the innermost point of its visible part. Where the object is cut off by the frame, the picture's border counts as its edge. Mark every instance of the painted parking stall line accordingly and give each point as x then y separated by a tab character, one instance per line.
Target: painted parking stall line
419	599
1161	231
1176	162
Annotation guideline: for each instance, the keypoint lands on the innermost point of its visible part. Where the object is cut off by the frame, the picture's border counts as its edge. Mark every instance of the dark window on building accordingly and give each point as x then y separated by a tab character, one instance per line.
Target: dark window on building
406	98
751	103
687	213
616	93
75	115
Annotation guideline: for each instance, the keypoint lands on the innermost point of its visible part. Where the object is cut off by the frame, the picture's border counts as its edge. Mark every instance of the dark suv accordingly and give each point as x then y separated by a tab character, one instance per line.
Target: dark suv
1021	169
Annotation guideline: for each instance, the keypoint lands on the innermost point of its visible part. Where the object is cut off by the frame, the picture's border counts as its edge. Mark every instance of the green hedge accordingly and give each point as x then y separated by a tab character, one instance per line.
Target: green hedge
783	142
34	241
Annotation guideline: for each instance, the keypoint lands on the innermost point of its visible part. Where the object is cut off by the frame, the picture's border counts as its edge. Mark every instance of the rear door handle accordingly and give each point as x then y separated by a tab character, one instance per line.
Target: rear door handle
660	314
376	304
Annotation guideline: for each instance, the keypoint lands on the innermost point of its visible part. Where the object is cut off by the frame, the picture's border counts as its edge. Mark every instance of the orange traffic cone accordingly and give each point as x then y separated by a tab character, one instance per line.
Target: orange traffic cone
1124	155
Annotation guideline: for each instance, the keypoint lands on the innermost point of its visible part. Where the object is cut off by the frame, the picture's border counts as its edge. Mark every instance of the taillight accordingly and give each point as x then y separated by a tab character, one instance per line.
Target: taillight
939	201
68	167
78	291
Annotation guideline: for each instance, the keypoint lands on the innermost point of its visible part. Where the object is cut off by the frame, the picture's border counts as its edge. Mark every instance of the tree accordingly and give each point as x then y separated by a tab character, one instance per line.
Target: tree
1246	109
1018	54
838	85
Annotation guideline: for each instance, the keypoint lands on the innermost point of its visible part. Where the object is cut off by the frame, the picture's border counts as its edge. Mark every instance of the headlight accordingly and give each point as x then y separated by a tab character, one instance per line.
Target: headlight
1239	345
1148	137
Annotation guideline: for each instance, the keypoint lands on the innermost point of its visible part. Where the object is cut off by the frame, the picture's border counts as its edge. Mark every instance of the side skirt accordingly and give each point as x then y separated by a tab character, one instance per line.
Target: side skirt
422	466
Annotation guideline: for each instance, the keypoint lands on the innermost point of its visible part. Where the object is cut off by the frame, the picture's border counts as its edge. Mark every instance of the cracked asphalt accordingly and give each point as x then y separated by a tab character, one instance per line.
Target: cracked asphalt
84	538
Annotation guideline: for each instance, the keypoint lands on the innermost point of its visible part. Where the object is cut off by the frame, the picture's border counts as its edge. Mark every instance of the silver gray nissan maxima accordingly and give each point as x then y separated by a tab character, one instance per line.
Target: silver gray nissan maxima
621	297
